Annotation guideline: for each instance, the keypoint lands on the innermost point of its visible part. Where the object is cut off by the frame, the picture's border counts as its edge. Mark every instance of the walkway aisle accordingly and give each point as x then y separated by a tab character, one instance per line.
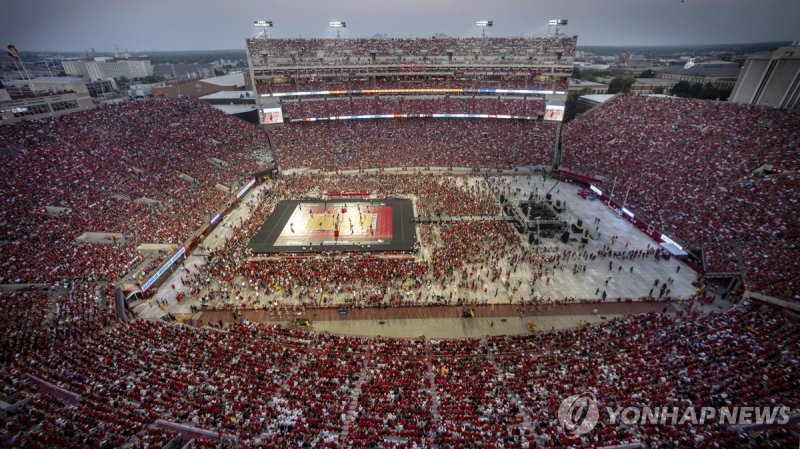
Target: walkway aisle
432	384
352	407
150	309
526	427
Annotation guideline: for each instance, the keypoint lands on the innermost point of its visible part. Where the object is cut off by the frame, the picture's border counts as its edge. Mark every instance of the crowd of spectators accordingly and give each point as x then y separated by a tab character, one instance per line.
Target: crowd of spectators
287	388
453	264
384	143
358	84
435	195
690	168
238	281
395	401
650	363
333	106
114	169
474	402
33	319
299	50
276	387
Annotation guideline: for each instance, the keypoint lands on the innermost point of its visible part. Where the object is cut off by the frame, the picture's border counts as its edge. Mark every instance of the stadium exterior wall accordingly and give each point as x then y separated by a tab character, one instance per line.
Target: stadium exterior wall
770	80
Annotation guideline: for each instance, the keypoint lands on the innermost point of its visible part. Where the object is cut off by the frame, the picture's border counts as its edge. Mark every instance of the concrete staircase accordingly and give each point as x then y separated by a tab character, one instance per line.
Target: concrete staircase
512	396
432	389
352	407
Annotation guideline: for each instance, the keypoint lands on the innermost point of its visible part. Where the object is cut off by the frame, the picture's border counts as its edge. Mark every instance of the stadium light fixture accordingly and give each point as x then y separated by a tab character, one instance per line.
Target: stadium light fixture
263	25
483	24
557	23
338	25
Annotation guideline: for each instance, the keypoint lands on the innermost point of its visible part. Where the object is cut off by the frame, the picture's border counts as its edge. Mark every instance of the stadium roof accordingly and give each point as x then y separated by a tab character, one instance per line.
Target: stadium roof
234	108
56	79
582	83
598	98
230	95
231	79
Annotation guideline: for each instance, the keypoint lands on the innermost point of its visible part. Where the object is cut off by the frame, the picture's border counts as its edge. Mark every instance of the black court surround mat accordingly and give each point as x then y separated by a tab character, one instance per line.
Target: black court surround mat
403	237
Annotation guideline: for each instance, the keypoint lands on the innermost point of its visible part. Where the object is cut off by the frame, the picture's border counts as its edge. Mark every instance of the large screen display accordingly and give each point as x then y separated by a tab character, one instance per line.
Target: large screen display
554	113
269	116
387	116
416	91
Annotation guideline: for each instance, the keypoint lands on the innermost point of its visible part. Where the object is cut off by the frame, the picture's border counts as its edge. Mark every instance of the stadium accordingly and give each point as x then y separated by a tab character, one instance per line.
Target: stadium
411	250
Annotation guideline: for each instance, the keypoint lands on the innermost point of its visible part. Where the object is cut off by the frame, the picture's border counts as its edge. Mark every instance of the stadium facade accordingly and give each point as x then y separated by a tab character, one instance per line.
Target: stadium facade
527	67
770	79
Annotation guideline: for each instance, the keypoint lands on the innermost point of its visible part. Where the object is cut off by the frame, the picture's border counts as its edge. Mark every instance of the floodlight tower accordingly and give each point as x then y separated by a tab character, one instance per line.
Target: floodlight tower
339	24
263	24
557	23
483	24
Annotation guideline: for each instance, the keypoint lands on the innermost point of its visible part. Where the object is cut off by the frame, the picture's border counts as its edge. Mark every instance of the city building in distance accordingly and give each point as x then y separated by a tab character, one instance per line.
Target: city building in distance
104	68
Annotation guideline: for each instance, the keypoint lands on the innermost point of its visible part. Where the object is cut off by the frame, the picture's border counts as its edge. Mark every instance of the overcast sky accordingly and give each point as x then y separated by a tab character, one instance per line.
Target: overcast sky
147	25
